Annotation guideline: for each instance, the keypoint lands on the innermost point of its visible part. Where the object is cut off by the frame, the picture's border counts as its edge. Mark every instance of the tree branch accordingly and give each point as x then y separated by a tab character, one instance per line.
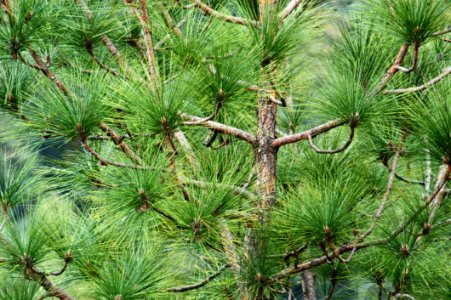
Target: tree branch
241	134
170	22
423	87
290	8
338	150
293	138
231	19
104	161
426	204
448	30
31	273
118	140
200	284
45	70
399	177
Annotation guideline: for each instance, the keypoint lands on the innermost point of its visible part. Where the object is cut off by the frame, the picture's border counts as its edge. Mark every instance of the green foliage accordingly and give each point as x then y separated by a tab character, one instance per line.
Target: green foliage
18	289
134	205
18	183
136	274
410	21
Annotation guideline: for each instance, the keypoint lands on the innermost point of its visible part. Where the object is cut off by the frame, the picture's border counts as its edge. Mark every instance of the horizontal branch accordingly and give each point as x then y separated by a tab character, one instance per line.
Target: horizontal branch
231	19
423	87
338	150
200	284
293	138
236	132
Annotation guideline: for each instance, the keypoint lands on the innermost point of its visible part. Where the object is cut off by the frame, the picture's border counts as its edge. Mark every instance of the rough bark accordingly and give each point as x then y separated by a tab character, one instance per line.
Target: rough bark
308	285
266	155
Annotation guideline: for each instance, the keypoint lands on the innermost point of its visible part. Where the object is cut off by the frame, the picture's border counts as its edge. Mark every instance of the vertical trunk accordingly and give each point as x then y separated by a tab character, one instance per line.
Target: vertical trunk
308	285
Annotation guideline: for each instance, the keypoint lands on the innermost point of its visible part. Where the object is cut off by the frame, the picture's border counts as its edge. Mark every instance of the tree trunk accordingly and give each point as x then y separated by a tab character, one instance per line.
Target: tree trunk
266	155
308	285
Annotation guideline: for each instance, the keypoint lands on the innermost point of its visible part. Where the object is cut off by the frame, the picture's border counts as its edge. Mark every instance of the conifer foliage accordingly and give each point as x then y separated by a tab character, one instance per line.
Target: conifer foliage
225	149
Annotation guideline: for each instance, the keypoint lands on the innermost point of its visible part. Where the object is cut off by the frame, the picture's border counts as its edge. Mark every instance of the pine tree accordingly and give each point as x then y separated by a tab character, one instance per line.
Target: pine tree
225	149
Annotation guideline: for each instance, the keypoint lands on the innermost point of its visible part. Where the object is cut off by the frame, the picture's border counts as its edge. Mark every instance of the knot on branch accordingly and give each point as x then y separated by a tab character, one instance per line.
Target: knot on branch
405	252
144	201
196	228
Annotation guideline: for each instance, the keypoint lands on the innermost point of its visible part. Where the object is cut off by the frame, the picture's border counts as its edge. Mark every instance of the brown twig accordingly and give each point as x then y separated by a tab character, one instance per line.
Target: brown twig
414	63
144	21
41	66
200	284
38	276
105	39
118	140
67	260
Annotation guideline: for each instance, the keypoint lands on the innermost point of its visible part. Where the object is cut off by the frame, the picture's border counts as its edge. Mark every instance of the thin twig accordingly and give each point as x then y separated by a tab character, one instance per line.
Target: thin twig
105	162
423	87
144	21
161	42
67	261
170	22
231	19
448	30
49	74
388	190
186	146
338	150
200	284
